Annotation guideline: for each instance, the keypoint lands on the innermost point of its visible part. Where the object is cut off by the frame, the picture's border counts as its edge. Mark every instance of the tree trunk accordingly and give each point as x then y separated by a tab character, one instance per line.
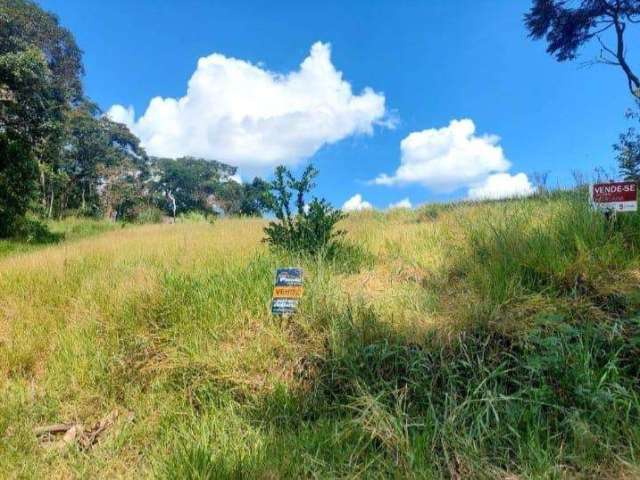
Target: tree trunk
63	203
51	203
173	205
43	186
632	78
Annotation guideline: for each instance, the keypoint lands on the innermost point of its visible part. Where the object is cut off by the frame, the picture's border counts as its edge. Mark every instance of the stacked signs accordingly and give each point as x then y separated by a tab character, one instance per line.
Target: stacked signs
287	292
616	197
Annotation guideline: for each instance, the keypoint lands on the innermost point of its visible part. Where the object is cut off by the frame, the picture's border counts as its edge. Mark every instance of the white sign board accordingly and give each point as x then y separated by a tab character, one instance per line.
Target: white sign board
616	196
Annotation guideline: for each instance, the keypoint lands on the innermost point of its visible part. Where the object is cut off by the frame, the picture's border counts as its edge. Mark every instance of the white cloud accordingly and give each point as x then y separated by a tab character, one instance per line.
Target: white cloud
447	158
240	113
356	203
404	203
120	114
502	185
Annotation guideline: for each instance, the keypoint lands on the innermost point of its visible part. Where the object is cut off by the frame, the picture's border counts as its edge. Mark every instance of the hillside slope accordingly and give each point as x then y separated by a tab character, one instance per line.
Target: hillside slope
496	339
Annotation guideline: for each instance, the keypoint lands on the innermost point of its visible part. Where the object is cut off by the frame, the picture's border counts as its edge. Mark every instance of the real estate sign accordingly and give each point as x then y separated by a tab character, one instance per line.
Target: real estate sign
287	291
615	196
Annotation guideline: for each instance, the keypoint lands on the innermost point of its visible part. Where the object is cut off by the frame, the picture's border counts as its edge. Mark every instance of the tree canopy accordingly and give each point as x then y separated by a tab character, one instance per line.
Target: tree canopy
207	186
24	26
568	26
40	78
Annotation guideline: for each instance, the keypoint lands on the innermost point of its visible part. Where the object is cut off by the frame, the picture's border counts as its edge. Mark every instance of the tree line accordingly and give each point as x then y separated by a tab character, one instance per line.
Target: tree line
59	155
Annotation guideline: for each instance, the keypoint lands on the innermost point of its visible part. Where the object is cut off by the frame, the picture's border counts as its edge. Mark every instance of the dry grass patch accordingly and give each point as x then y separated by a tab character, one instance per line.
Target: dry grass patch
443	343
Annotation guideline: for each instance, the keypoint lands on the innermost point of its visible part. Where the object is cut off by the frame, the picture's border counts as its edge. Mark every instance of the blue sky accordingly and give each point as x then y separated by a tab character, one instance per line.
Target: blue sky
429	62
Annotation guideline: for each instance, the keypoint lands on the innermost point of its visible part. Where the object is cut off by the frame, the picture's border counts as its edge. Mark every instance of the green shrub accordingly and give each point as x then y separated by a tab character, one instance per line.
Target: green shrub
311	229
33	231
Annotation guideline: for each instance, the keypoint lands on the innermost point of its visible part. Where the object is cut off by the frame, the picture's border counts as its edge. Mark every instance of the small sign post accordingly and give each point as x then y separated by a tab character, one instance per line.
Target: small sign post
615	196
287	291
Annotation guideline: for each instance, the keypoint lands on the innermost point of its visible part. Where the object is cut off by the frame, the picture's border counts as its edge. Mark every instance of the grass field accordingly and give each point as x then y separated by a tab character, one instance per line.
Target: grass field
490	340
57	231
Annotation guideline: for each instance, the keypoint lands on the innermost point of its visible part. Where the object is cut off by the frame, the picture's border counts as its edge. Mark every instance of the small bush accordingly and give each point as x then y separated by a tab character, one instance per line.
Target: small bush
312	228
33	231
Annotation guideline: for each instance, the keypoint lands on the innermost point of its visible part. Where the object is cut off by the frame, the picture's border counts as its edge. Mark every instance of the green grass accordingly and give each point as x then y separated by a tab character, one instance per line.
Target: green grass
561	252
489	340
56	231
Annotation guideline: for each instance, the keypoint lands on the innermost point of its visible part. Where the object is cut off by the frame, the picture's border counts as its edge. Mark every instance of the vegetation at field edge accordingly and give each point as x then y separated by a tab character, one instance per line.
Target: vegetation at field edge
485	340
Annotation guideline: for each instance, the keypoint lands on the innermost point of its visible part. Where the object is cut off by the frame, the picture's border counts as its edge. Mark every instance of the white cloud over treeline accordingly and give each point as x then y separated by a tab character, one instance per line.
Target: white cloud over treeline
240	113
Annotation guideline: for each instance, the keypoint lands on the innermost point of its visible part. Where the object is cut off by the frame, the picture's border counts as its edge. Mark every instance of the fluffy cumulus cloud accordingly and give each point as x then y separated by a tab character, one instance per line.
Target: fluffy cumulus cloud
446	158
240	113
502	185
356	204
453	157
404	203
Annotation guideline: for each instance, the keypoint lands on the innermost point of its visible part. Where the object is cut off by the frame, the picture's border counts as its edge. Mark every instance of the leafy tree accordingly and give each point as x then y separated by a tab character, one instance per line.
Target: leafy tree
57	187
40	70
192	182
311	229
24	26
27	103
567	26
18	187
628	150
98	151
255	199
122	191
25	112
249	199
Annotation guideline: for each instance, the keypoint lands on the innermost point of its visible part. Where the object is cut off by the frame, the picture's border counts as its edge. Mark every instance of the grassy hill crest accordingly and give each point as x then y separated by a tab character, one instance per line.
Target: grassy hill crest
495	339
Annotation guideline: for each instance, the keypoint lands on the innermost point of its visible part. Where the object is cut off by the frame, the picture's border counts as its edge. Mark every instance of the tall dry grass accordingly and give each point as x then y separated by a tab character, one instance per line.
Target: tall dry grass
491	339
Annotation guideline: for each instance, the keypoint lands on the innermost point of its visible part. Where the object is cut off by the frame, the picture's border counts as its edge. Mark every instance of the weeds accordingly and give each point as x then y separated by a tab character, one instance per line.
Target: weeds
149	214
425	380
563	249
566	392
